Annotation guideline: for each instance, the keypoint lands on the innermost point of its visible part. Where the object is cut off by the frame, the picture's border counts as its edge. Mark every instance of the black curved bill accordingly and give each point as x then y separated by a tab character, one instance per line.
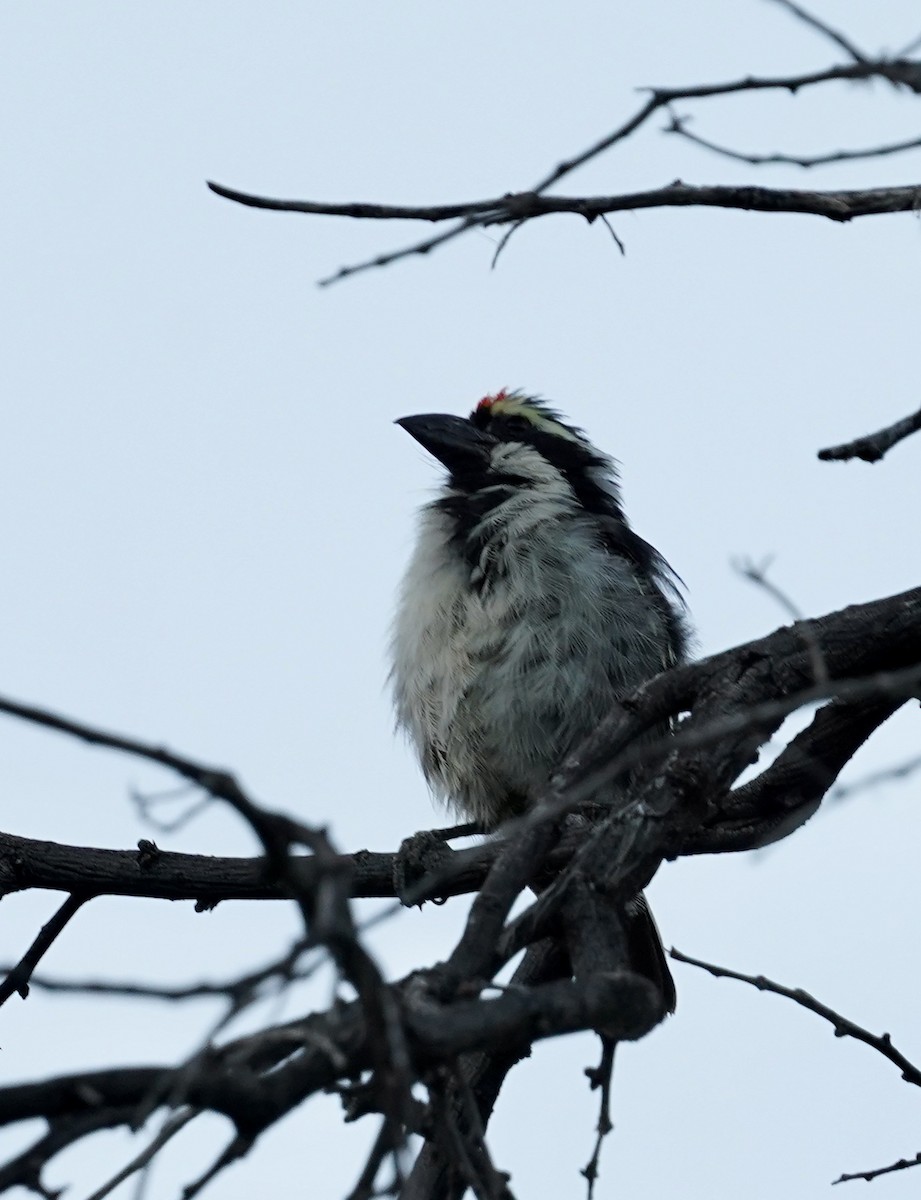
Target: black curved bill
454	441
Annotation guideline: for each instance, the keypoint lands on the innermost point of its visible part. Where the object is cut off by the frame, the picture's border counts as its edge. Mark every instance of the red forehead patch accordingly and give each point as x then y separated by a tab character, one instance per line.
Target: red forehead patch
488	401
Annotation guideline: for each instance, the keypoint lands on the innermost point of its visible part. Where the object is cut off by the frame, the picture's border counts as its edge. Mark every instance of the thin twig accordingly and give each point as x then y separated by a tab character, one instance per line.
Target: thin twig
475	1170
808	19
380	1150
324	906
662	97
902	1165
600	1079
757	574
275	832
497	1181
678	125
503	242
838	206
172	1126
610	228
242	987
843	1026
18	978
146	803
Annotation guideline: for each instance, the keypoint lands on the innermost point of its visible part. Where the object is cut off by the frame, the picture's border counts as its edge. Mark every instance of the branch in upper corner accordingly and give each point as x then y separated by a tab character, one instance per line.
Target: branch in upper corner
874	446
517	207
843	1026
900	71
896	71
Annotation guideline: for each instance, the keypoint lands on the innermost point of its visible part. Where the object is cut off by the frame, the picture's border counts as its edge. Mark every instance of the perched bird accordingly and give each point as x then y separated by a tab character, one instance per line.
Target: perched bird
529	606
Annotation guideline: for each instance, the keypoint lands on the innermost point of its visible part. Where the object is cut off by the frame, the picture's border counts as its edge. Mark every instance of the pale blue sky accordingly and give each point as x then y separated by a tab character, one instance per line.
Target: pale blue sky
205	508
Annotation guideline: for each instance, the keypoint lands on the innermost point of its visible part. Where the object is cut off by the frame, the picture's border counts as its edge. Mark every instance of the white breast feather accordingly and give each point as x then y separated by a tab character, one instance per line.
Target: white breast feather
501	668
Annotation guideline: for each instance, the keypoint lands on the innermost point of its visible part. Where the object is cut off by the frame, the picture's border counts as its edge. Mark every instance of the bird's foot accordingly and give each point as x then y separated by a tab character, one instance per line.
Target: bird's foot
417	865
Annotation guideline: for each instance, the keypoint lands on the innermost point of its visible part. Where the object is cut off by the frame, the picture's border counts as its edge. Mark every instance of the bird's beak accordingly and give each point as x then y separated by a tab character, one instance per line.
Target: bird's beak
454	441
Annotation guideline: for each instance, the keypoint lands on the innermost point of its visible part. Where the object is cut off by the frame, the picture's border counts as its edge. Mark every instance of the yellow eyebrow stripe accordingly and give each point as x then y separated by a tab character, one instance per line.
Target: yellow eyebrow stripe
515	404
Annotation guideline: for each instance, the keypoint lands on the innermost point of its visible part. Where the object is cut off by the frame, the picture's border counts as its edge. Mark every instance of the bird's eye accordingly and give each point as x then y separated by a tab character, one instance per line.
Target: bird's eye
517	424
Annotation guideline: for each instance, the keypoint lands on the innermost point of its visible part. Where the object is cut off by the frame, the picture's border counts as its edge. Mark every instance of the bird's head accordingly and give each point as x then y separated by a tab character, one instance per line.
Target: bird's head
518	440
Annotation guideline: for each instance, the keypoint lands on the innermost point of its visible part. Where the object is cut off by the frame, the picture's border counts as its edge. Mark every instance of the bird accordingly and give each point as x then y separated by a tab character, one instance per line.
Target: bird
529	607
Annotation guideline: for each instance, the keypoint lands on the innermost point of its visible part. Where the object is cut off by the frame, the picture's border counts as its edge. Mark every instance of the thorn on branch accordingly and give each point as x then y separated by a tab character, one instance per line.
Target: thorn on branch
610	228
148	853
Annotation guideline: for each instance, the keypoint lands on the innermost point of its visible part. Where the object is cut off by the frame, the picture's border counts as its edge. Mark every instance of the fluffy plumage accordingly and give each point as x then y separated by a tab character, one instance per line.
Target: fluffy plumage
528	607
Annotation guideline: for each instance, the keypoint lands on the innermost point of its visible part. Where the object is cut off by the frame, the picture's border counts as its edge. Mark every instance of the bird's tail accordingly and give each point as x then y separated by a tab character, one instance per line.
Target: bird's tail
647	954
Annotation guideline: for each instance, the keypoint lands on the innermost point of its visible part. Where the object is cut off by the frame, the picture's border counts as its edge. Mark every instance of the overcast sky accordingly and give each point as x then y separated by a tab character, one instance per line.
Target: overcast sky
205	509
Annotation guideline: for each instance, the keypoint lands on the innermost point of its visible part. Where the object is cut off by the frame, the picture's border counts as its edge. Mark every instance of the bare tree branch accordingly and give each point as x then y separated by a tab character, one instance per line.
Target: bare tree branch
514	208
874	446
485	1072
238	1080
757	573
17	980
25	1169
600	1079
666	792
452	1029
788	792
862	648
239	990
843	1026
